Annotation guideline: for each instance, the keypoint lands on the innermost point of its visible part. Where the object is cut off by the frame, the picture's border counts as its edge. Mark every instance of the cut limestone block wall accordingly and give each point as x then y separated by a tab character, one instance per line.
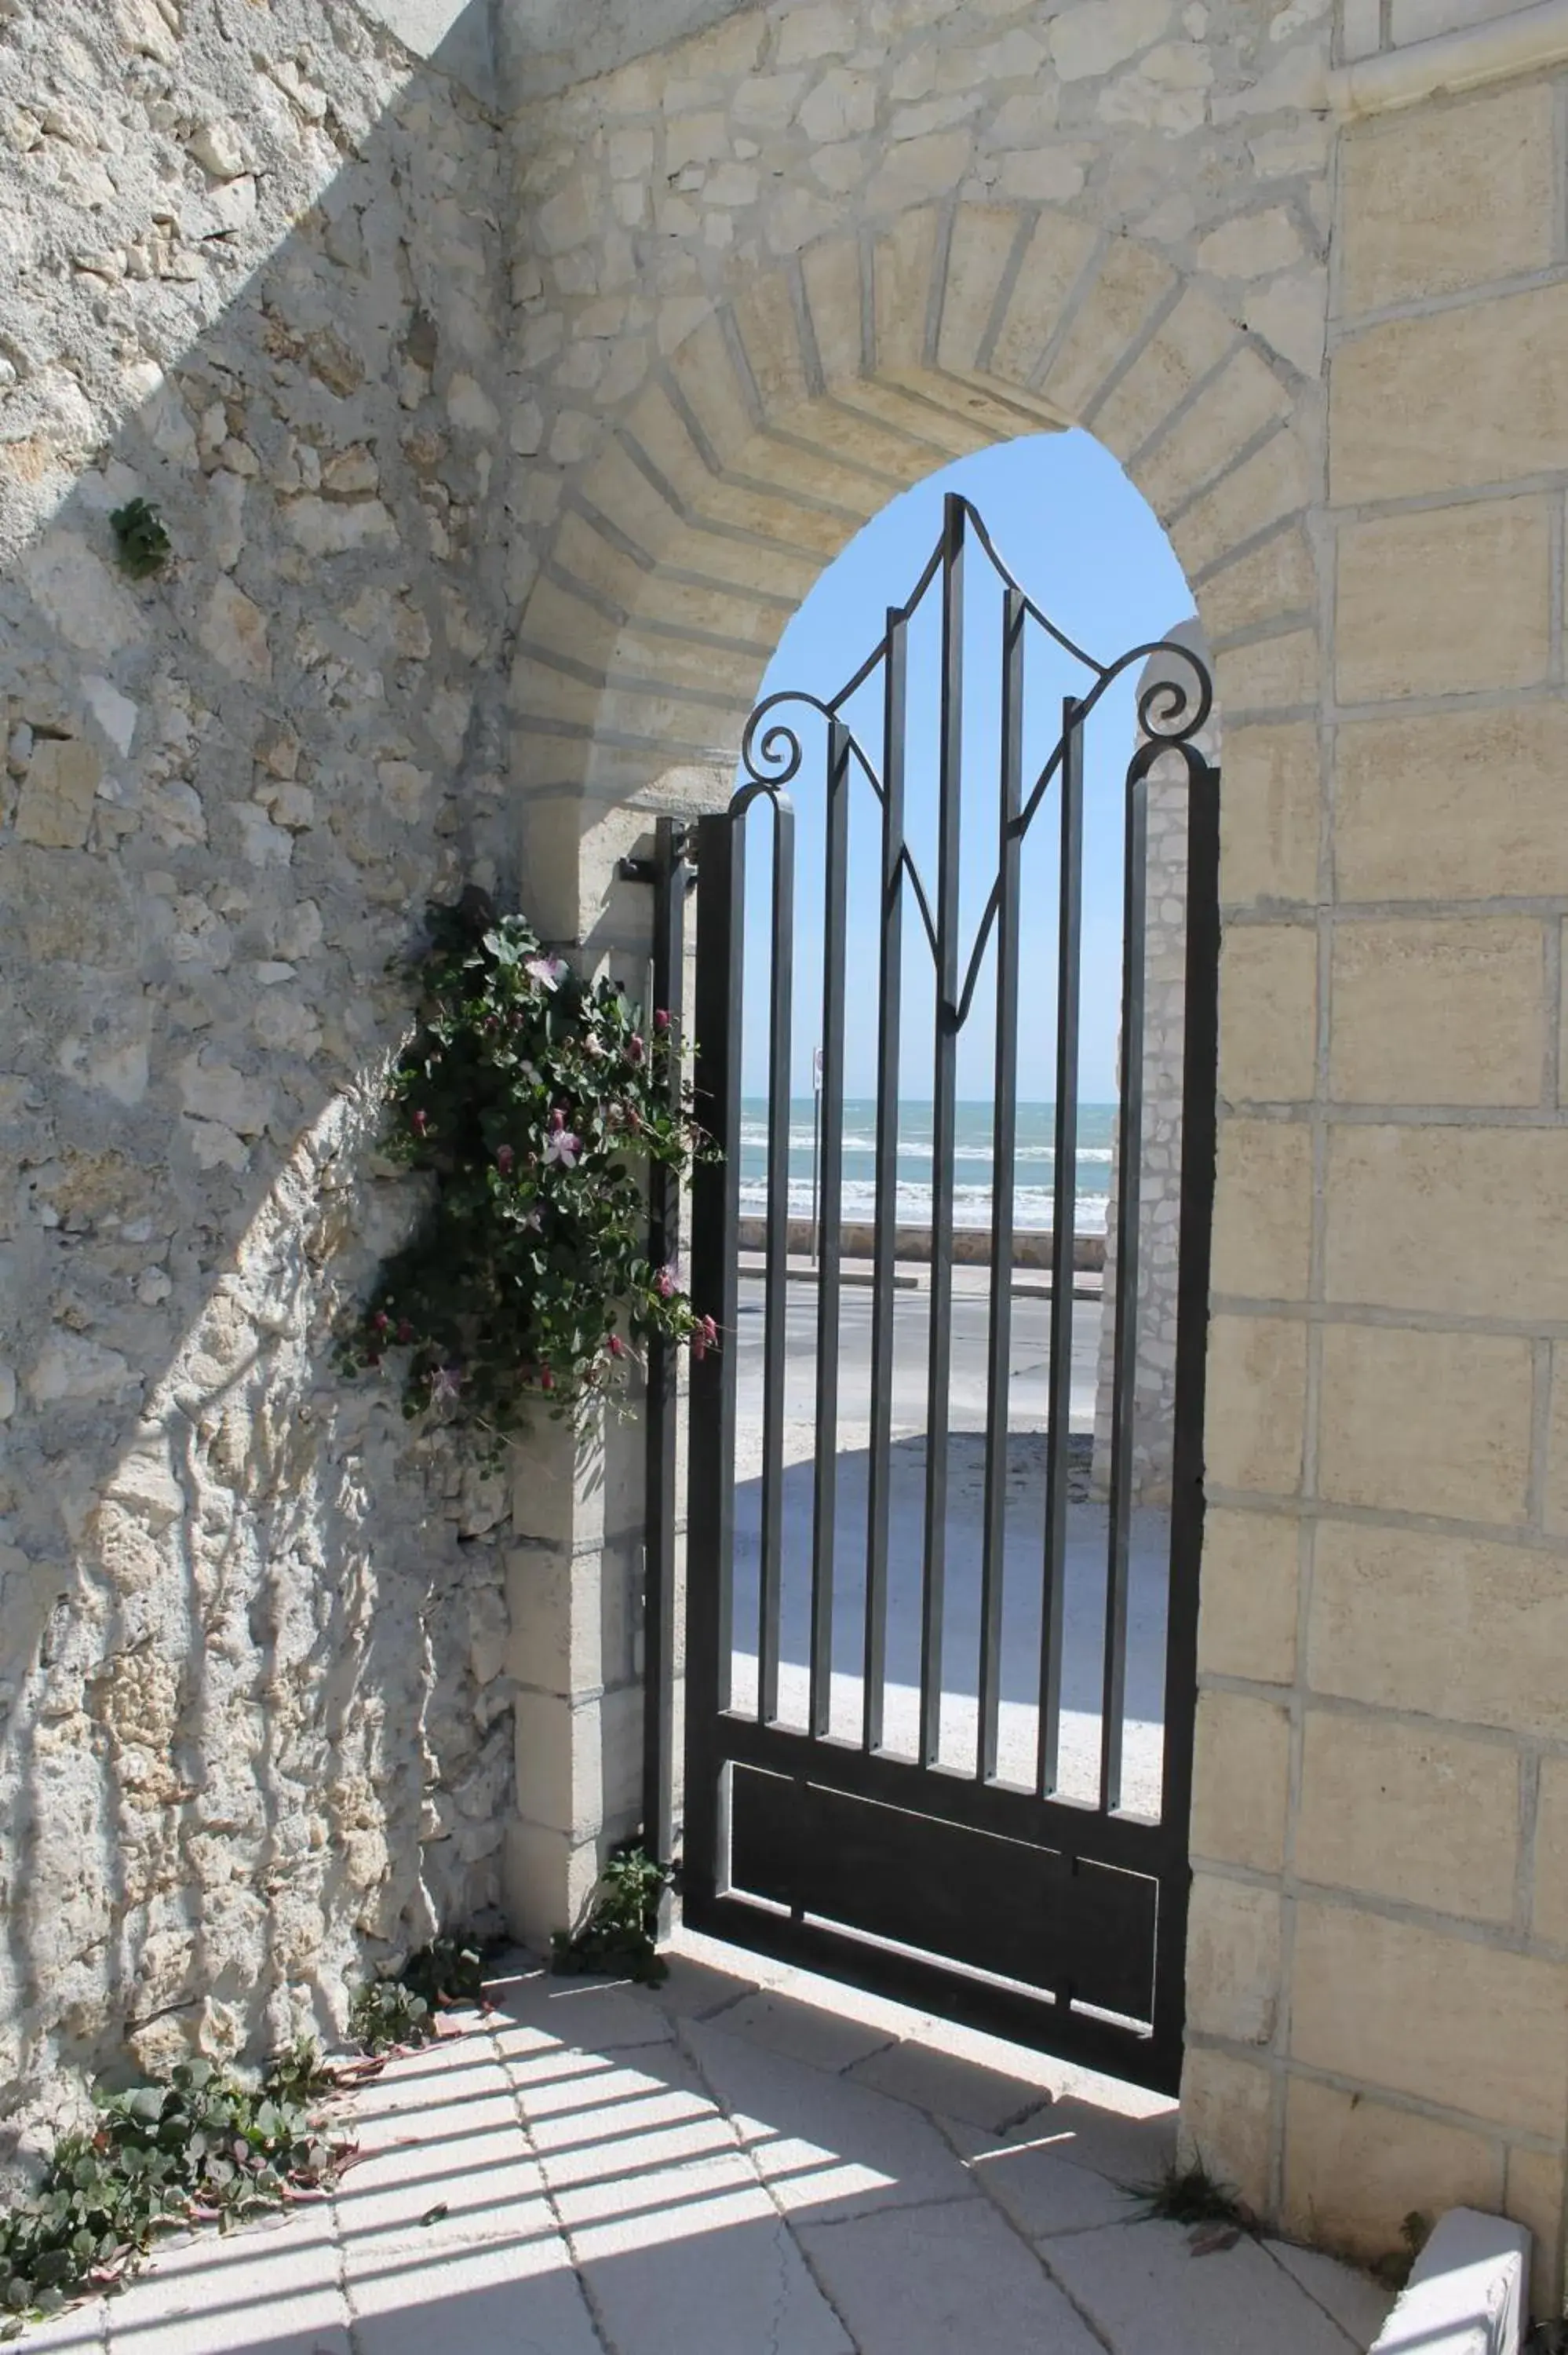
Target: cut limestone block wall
1379	1967
773	274
1164	1073
253	1719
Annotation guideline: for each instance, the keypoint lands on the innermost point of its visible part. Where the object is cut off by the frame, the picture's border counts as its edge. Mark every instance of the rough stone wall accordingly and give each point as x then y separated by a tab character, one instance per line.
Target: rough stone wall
1159	1172
253	1722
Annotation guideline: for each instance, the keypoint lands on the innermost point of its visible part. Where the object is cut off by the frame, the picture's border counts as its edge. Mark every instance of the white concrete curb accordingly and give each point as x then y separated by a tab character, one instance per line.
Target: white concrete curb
1469	2292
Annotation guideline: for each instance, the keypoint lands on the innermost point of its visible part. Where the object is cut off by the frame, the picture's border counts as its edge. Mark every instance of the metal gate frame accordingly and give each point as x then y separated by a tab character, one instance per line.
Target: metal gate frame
1061	1924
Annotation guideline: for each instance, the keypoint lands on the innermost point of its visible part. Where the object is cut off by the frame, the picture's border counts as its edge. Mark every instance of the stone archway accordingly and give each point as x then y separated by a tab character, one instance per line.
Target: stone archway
774	429
793	414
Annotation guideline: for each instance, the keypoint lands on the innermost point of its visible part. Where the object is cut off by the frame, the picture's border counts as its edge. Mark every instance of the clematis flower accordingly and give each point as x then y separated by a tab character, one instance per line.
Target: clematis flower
661	1019
546	1378
616	1345
505	1157
418	1122
545	970
704	1338
446	1383
666	1282
635	1050
561	1146
593	1045
529	1072
405	1331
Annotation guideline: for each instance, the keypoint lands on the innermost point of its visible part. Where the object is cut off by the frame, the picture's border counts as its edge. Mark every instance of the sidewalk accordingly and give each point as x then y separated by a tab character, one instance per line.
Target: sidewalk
747	2161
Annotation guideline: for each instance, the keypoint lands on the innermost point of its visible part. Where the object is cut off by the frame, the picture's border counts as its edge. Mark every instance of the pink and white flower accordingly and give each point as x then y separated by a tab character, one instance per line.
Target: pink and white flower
561	1146
545	970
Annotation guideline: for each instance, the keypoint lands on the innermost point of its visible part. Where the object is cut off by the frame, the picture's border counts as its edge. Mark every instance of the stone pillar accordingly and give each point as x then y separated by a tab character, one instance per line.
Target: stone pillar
1164	1036
576	1569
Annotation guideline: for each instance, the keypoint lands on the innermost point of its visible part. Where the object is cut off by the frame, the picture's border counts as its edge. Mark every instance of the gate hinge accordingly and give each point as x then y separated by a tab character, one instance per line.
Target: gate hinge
683	849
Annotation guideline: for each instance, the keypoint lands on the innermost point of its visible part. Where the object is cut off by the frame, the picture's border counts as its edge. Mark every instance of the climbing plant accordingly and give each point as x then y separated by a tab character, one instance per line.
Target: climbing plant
200	2148
535	1100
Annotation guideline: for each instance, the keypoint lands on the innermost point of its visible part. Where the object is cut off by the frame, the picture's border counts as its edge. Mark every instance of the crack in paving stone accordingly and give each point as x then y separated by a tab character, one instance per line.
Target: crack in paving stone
892	2208
1297	2283
874	2054
597	2321
1090	2325
786	2223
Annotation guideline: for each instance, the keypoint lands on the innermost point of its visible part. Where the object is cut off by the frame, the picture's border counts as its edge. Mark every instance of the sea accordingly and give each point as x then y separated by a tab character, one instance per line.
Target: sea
1033	1163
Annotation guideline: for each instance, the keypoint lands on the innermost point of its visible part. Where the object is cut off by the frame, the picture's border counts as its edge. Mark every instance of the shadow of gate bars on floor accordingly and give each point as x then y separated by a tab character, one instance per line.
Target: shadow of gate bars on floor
1036	1883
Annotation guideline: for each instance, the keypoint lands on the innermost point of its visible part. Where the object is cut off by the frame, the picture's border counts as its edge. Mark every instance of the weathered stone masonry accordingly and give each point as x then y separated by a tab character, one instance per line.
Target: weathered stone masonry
251	1637
498	441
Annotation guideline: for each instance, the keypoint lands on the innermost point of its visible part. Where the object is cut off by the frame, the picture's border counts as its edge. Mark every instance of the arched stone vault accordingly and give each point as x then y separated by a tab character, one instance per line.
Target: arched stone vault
790	416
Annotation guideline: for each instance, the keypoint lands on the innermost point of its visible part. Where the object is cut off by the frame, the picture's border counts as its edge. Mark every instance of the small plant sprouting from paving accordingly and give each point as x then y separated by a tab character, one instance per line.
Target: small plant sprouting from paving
204	2147
1189	2193
143	545
535	1099
1393	2268
621	1931
405	2009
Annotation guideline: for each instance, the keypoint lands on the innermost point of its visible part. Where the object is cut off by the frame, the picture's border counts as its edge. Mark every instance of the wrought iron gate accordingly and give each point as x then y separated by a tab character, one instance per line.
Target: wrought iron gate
860	1847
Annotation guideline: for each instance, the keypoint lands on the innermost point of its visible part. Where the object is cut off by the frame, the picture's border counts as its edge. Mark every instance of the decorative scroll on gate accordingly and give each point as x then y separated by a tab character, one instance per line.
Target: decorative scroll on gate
827	1820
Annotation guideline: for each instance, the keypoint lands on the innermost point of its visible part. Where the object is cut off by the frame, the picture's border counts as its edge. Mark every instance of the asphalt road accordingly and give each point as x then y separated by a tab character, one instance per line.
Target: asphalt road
1083	1571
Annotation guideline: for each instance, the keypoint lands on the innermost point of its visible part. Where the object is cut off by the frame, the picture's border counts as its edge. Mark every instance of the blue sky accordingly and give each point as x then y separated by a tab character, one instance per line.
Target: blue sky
1089	552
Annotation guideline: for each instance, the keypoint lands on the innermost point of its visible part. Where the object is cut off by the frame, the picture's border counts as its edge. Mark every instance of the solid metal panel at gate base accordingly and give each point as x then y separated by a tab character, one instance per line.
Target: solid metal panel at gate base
924	1772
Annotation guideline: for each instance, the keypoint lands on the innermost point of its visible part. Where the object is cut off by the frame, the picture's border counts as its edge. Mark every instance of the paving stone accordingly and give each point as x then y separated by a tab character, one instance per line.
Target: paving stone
1123	2146
1356	2302
478	2302
1043	2192
925	2281
274	2290
85	2328
590	2015
803	2032
826	2147
1237	2301
950	2086
734	2281
698	1985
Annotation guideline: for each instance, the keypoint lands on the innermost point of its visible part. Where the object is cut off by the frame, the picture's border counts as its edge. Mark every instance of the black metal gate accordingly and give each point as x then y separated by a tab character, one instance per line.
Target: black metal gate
857	1846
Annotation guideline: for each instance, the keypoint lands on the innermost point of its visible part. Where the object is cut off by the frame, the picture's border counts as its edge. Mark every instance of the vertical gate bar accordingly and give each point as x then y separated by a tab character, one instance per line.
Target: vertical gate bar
1064	1223
776	1276
670	872
1004	1130
1124	1371
884	1298
715	1219
835	915
944	1089
1200	1059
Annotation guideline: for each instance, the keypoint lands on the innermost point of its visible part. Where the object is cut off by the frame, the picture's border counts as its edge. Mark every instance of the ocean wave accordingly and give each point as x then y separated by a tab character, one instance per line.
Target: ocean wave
803	1141
1032	1206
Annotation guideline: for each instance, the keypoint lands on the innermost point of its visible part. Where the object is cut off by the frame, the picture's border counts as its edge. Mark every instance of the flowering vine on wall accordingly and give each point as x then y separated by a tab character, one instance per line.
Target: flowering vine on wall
535	1099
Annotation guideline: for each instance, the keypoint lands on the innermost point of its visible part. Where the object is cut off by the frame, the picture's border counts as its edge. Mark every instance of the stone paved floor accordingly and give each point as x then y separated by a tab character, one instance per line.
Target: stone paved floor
745	2162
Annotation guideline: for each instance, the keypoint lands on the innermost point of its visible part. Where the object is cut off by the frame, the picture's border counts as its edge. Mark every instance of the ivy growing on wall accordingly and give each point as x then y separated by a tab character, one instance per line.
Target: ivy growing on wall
535	1101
